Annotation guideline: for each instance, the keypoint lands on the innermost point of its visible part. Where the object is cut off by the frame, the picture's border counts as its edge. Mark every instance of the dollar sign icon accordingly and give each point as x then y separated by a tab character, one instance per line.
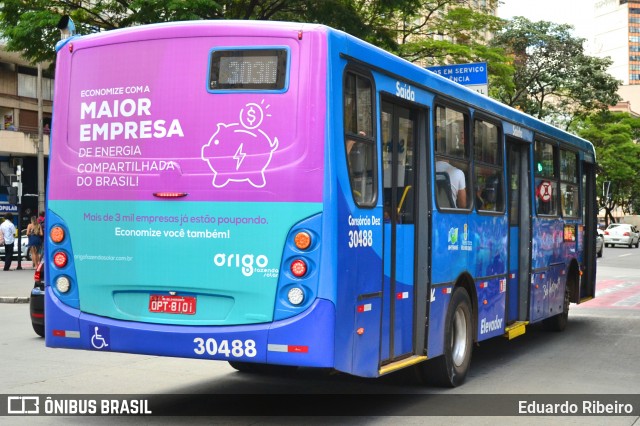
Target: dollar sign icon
251	116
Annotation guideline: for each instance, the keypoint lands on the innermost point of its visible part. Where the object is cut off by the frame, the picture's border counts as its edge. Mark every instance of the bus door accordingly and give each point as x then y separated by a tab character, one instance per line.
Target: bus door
399	129
519	196
588	280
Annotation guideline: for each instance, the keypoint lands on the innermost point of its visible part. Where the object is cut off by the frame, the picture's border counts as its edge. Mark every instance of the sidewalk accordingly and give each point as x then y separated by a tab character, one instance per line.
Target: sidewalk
16	285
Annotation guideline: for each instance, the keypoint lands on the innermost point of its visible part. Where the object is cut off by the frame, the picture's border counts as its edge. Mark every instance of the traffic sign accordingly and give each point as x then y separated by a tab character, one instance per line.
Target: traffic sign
473	75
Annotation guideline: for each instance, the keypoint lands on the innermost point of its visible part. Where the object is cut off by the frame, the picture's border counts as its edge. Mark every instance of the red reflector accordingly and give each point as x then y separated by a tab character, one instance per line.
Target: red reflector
59	333
37	315
60	259
298	268
298	349
170	194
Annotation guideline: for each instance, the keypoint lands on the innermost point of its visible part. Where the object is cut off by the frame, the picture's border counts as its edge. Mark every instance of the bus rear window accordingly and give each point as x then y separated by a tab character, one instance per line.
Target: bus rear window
248	69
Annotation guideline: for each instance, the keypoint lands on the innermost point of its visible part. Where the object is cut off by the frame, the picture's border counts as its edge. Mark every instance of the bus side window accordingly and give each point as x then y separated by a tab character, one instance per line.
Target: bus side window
546	178
452	157
487	151
359	138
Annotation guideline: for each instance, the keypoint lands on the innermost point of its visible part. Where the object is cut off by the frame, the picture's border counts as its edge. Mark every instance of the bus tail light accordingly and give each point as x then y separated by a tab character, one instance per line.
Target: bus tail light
170	194
60	259
295	296
56	234
302	240
63	284
298	268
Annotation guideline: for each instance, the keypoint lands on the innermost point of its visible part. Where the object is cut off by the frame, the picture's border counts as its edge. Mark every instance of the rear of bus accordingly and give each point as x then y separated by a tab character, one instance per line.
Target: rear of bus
185	213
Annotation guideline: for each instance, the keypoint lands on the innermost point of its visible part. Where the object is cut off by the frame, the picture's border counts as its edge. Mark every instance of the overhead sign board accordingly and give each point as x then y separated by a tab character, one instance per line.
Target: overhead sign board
473	75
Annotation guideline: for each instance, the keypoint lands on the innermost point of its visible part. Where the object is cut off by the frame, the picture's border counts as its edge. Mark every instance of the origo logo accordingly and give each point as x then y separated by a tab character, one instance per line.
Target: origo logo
246	262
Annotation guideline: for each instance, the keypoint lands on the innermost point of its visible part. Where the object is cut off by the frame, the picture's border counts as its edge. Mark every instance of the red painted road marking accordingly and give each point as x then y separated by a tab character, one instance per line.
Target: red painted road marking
616	293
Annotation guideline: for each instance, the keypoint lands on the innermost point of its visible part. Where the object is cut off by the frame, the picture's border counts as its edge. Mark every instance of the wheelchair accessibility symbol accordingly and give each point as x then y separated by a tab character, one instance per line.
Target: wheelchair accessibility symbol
100	337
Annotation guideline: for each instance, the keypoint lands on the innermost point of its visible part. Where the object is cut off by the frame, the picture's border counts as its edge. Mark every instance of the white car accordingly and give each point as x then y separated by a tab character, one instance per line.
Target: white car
599	242
621	233
26	254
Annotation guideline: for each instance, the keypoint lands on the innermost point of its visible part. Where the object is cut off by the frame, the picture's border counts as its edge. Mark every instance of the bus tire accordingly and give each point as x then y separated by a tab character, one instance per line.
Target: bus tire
39	329
559	322
450	369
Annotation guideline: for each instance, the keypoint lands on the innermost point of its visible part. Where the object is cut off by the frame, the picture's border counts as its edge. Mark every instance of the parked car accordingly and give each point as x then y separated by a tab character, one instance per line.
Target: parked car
26	254
36	301
599	242
621	233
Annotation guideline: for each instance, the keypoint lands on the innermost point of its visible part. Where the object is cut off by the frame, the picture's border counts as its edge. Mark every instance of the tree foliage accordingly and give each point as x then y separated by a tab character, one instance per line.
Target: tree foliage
404	27
614	135
553	78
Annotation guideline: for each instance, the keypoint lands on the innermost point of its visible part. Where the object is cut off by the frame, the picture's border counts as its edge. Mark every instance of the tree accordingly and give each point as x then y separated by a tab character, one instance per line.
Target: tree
613	135
445	31
404	27
553	80
30	27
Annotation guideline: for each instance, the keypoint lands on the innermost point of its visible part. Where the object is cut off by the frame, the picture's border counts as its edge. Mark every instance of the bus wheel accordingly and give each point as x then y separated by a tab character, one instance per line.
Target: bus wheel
559	322
450	369
253	368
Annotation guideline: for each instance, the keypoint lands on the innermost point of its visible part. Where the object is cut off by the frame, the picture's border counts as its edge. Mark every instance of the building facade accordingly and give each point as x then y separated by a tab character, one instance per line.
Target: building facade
19	127
616	34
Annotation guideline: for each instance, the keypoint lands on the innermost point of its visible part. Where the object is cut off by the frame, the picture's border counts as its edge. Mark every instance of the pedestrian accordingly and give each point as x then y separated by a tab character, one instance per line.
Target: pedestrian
8	230
34	233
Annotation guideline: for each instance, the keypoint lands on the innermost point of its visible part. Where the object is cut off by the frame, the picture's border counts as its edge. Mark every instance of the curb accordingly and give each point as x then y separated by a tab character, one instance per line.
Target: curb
14	300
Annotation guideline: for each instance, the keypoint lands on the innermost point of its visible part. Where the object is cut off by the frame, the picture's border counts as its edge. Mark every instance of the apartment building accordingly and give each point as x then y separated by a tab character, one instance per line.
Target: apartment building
19	124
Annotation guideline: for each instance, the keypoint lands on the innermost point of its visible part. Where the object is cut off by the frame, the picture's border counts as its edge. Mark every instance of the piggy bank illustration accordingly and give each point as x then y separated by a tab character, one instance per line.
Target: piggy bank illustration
238	153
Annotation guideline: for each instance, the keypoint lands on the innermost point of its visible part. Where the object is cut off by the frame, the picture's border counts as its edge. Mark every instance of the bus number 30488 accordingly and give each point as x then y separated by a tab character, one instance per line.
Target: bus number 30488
360	238
238	347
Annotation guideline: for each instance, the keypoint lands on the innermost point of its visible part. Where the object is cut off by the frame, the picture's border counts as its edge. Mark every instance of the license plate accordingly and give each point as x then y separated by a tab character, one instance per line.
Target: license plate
172	304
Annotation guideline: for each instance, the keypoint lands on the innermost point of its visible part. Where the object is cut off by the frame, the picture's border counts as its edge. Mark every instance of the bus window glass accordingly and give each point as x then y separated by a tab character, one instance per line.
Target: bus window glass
546	179
545	166
489	189
486	143
450	132
488	167
569	198
405	169
359	140
452	159
568	166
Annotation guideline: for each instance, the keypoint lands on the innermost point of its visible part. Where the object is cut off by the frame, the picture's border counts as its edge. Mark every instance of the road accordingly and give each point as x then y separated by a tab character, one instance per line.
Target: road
597	354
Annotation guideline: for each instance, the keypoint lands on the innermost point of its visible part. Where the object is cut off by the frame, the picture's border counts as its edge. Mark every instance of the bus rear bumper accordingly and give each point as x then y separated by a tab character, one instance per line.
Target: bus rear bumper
305	340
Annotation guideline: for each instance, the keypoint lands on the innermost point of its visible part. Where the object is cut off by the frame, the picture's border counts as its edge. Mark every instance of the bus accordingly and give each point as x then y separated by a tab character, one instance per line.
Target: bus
280	195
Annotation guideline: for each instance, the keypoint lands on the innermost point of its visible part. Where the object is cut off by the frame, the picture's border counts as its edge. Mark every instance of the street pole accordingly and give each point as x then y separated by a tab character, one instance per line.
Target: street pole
19	205
40	143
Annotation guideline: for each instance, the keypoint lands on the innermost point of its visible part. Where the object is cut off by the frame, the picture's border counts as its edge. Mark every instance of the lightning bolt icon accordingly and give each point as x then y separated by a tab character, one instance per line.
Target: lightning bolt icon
239	156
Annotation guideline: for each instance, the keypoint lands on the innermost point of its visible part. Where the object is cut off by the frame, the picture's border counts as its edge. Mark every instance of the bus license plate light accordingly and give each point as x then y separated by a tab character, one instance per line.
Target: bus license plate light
172	304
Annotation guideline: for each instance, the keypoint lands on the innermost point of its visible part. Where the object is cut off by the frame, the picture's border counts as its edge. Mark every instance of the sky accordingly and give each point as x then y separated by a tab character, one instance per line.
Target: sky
578	13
